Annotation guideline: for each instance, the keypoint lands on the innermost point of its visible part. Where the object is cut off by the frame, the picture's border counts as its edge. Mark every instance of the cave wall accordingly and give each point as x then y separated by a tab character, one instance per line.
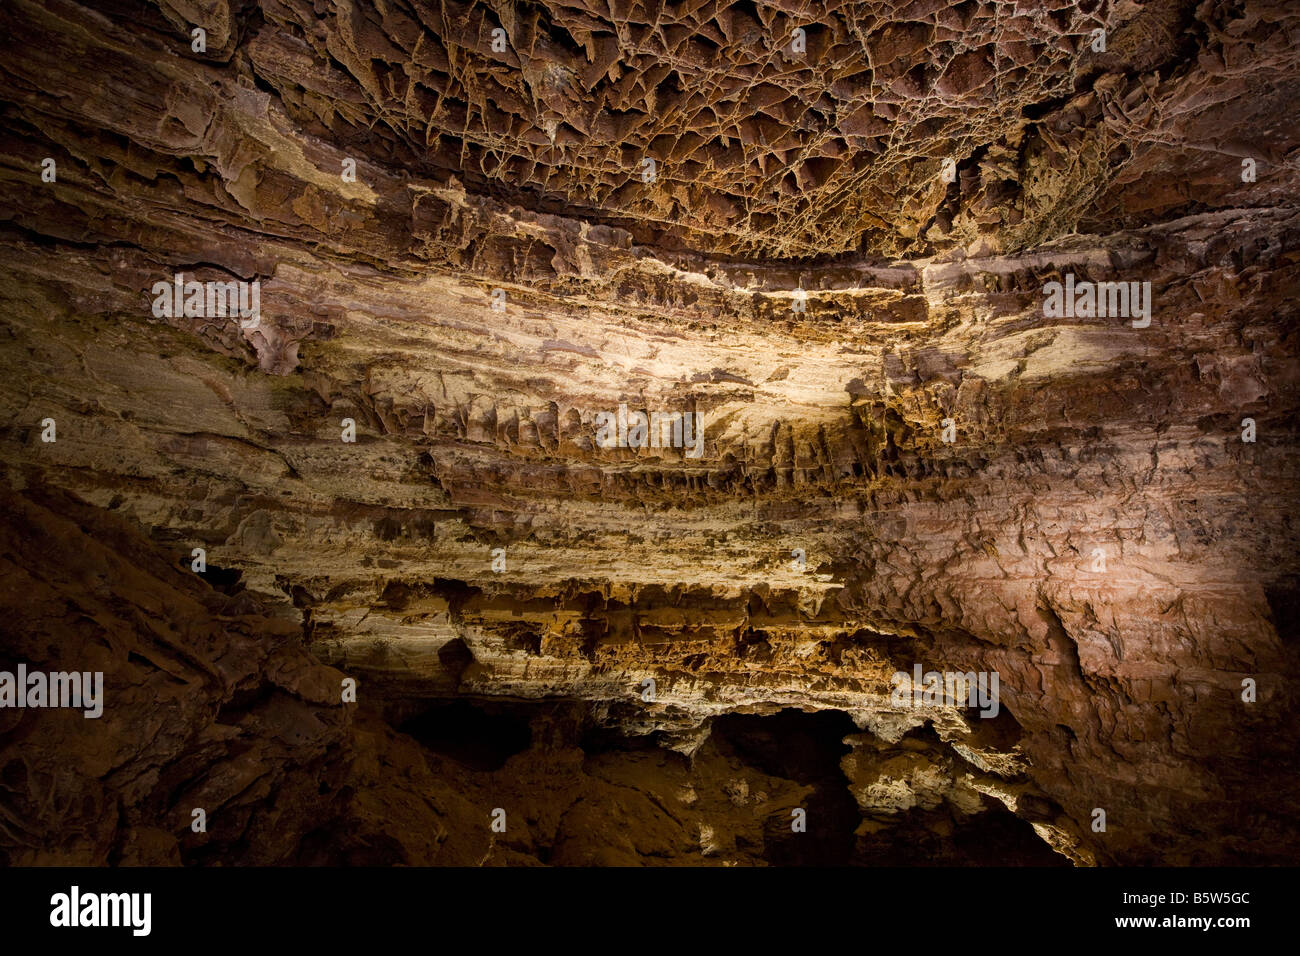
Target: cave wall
475	543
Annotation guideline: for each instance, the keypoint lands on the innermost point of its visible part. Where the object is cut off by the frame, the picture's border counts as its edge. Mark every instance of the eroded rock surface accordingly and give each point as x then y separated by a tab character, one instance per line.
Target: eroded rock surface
640	655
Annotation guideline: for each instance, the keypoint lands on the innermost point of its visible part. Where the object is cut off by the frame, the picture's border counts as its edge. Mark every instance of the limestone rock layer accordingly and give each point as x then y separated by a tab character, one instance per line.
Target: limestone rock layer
822	235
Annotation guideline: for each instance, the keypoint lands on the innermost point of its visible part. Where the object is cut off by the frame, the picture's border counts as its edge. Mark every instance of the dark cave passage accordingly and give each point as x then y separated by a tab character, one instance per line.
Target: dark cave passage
478	735
806	748
995	837
798	752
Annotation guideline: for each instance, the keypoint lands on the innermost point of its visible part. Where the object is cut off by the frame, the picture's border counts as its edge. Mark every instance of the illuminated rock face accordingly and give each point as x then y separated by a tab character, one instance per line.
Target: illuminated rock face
912	460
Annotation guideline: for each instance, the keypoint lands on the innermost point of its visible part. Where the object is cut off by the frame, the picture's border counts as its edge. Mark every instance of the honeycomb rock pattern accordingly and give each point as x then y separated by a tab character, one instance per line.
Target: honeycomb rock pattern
763	151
